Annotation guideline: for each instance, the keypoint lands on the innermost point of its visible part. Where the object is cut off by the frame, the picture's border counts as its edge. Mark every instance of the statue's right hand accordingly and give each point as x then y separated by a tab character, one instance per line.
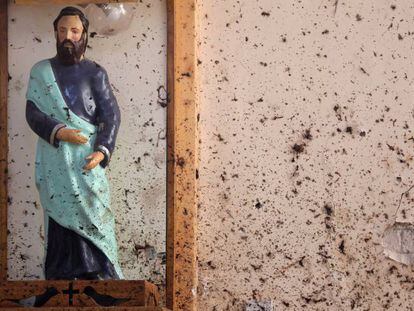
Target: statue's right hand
71	136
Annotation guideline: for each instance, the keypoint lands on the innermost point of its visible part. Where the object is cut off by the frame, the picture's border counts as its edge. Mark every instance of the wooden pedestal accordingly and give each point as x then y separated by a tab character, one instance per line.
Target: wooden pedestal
80	294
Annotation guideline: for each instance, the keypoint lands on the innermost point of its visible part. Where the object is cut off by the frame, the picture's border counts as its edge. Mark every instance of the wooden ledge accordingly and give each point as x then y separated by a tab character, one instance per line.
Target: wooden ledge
80	293
91	309
67	2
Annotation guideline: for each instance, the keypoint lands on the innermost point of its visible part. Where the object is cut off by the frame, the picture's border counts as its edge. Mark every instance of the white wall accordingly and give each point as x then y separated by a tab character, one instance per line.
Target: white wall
136	64
271	70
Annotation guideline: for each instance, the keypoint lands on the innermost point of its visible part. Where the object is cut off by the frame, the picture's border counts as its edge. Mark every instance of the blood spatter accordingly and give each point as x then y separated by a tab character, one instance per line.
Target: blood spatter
341	247
211	265
181	162
298	148
349	130
307	134
328	209
220	138
363	71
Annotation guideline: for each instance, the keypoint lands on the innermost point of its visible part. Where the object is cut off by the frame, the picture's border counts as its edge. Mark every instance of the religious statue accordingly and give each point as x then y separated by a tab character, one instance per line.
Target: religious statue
71	107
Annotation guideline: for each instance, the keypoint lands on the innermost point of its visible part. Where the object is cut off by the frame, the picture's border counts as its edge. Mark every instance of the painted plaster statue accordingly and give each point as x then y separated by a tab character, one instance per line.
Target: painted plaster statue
71	107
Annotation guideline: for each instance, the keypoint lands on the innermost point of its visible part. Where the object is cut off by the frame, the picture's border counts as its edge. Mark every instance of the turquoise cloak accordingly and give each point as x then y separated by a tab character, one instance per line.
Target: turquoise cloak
76	199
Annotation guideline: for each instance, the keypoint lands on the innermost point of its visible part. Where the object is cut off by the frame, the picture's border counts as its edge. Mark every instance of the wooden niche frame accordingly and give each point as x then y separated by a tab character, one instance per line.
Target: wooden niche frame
182	174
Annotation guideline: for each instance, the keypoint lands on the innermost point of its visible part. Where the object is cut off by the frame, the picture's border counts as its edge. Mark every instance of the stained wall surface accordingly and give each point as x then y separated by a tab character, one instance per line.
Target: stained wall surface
136	64
306	126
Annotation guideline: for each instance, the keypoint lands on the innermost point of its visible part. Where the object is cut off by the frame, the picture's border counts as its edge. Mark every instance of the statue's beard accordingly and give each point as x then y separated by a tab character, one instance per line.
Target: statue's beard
72	53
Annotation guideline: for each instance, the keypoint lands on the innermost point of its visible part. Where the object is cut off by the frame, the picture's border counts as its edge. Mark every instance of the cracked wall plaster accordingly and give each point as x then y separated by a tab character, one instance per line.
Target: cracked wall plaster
306	145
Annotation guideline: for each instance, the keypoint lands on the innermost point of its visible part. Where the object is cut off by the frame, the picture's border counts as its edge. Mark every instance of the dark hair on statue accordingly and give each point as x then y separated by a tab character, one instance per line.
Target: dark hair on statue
72	11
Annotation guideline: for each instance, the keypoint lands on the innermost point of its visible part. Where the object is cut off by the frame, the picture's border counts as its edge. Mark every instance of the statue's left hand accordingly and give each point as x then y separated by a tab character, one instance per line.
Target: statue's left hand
94	159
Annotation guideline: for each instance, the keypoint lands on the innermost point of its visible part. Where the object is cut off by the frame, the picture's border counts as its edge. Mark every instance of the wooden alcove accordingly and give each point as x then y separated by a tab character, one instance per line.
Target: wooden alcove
182	149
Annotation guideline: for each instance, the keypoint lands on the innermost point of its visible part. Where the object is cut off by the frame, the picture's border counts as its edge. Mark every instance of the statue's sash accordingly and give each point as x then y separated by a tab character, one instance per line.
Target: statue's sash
76	199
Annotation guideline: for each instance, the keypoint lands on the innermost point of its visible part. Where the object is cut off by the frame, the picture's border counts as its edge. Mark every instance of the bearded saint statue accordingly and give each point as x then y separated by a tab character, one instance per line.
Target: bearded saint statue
71	107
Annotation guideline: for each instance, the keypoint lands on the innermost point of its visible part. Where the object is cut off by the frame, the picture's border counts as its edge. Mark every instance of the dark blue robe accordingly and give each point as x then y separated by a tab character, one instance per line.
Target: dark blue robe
88	94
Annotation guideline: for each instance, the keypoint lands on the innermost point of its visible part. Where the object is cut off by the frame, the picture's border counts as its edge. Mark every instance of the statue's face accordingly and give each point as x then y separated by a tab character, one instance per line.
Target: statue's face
69	27
70	43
